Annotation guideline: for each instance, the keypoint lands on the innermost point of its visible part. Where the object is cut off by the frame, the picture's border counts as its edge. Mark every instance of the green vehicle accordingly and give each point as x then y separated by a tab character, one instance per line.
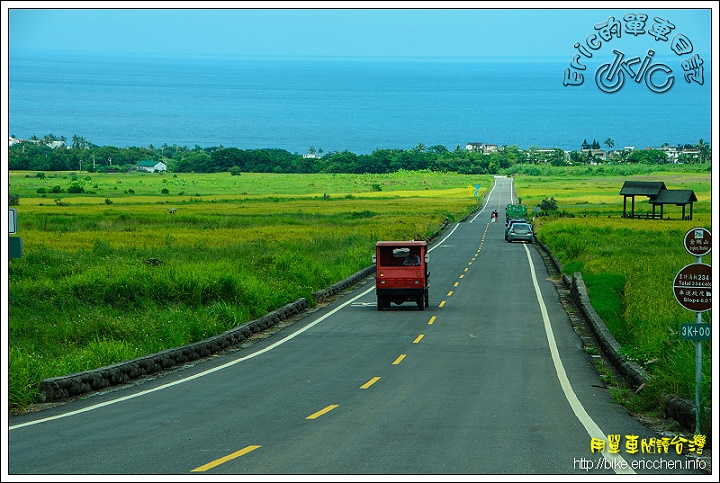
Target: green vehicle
515	211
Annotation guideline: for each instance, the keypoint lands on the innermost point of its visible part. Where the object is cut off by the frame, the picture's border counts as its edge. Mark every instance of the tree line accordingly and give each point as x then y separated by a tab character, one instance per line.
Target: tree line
81	155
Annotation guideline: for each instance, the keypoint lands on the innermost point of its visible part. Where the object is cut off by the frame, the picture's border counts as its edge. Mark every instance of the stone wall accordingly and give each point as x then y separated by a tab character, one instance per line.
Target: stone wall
681	410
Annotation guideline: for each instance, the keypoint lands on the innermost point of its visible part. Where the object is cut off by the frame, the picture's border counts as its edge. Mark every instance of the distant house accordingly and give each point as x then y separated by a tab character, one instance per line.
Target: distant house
691	153
596	153
671	152
481	147
151	166
56	144
52	144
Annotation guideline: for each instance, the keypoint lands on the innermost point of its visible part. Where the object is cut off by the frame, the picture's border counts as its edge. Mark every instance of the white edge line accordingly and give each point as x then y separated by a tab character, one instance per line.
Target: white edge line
214	369
590	426
194	376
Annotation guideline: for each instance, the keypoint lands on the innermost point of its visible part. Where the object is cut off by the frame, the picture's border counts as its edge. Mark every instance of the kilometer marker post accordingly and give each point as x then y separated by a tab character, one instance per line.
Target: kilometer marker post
693	289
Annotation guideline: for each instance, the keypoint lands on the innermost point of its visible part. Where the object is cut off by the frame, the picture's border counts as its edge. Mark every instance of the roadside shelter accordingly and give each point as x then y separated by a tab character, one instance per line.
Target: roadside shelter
674	197
658	195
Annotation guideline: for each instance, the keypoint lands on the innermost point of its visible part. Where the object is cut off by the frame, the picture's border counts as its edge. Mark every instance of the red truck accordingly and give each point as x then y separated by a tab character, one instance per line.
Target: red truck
401	273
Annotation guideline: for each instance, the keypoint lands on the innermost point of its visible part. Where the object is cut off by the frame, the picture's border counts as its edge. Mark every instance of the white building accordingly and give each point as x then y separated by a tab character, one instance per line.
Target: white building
151	166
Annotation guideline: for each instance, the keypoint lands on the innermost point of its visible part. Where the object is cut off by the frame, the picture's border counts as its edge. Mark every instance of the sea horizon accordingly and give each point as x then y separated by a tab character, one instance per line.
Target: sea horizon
356	104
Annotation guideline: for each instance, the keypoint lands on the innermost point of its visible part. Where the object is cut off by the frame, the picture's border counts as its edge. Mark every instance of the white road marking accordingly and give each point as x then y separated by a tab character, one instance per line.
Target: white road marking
590	426
195	376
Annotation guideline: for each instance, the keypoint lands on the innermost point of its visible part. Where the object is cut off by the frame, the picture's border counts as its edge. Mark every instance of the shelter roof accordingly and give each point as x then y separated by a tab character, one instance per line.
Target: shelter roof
642	188
673	197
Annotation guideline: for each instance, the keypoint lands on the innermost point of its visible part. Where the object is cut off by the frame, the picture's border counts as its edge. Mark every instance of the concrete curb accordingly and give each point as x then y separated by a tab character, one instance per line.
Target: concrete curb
336	288
71	385
630	369
63	387
679	409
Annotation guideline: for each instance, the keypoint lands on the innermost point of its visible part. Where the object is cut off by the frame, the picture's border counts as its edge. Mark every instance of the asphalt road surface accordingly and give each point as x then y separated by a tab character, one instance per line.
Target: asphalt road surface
489	379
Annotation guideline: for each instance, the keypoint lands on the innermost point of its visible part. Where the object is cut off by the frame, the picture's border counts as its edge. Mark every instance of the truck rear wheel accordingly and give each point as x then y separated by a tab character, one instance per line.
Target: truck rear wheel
420	302
380	302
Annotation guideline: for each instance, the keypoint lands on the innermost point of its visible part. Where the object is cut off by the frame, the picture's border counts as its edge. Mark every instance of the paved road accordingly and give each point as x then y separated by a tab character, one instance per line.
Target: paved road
490	379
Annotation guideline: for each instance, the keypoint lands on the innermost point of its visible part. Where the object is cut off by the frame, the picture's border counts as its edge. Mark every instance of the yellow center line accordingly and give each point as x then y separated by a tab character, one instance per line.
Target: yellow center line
370	383
418	339
465	269
461	276
441	304
450	293
397	361
322	411
225	459
432	319
456	284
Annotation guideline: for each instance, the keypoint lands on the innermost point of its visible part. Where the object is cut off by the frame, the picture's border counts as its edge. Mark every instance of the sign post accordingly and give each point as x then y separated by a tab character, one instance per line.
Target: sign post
12	221
14	242
697	242
693	290
693	287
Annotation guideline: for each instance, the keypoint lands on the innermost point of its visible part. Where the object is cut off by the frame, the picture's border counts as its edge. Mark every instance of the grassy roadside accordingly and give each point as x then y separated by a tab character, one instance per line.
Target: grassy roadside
83	296
628	266
100	283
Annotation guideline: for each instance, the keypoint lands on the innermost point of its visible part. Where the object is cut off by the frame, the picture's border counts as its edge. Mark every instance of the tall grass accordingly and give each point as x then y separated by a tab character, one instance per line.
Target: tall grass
82	296
628	266
99	284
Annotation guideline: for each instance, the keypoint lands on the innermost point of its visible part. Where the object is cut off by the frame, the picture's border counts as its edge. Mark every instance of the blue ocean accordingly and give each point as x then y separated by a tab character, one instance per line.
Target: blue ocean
354	104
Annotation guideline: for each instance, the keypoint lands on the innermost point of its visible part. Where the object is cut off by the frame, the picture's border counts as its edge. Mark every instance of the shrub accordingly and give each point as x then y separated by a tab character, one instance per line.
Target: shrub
548	204
75	188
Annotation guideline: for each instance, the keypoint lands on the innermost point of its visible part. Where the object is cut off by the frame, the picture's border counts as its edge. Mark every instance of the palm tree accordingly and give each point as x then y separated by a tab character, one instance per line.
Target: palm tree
79	142
609	143
704	149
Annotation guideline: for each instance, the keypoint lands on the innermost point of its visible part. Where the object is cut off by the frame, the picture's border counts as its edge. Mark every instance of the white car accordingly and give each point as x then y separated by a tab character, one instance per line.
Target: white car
520	232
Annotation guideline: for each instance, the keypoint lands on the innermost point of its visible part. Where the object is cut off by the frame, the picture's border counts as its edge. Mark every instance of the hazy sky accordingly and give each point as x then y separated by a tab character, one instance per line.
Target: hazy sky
331	28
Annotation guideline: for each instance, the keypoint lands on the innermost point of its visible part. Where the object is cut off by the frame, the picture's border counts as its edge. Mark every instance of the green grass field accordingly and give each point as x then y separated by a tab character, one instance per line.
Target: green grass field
231	248
628	266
